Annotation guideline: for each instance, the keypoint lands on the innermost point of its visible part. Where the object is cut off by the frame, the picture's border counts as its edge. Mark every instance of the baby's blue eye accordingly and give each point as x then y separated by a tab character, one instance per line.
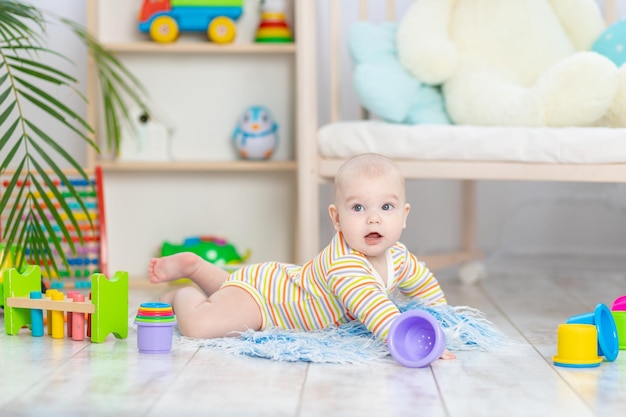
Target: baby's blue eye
387	207
357	207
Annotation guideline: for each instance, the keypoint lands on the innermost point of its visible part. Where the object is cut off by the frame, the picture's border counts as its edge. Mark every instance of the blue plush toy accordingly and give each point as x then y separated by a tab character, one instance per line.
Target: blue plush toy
256	133
383	86
612	43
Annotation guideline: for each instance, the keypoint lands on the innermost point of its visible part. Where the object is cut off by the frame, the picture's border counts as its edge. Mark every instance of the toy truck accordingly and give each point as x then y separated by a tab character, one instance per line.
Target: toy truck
165	19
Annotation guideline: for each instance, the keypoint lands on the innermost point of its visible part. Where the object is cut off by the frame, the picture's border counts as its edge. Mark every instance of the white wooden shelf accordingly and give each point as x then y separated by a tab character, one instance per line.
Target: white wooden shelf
209	166
201	47
197	90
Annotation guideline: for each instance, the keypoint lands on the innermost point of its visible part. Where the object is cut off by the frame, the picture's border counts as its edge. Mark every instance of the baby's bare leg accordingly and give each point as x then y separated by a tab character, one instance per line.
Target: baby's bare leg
228	310
206	275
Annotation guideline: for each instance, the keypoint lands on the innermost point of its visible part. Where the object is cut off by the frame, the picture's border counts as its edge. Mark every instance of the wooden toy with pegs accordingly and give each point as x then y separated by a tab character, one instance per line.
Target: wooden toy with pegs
108	308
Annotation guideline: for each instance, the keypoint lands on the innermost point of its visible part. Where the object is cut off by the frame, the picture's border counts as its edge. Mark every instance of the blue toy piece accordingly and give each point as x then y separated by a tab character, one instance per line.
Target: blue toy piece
256	133
601	317
612	43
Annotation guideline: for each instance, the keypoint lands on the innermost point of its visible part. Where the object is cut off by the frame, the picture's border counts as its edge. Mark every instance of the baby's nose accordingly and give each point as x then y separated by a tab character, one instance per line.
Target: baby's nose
373	218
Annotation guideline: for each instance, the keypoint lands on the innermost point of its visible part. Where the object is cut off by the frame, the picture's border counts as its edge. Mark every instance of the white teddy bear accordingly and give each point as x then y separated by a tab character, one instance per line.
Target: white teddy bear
515	62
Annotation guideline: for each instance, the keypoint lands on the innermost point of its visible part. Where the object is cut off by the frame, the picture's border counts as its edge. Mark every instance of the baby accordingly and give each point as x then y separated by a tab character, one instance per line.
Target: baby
351	279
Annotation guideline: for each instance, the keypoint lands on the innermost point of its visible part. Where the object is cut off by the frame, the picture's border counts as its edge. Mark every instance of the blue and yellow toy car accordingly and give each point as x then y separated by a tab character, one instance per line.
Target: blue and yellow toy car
165	19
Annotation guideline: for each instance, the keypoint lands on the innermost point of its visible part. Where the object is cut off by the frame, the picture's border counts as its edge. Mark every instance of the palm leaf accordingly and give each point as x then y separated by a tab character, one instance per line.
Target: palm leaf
31	155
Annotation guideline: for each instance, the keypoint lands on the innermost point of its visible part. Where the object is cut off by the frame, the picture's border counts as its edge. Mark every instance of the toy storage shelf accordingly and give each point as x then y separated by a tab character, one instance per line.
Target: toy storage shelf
201	48
149	49
226	166
199	89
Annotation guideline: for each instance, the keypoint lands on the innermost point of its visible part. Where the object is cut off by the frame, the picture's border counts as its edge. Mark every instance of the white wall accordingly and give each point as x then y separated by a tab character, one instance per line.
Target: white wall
513	215
60	39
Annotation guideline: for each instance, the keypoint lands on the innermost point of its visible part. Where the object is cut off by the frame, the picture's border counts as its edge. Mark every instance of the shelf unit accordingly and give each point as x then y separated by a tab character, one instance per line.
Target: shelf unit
235	166
135	48
193	75
189	47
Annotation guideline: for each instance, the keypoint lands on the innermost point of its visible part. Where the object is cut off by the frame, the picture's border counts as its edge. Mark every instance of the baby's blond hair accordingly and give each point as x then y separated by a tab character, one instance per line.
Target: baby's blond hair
370	165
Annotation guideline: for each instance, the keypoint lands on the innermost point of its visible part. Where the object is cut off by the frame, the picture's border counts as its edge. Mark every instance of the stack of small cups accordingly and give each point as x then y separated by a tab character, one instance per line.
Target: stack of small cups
155	322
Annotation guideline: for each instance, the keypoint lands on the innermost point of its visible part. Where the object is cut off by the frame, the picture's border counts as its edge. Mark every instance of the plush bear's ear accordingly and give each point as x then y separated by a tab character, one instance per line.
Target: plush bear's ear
612	43
382	84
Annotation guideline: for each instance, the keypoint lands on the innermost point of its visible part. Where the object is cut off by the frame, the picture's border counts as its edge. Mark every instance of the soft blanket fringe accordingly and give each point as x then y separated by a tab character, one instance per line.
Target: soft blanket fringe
465	328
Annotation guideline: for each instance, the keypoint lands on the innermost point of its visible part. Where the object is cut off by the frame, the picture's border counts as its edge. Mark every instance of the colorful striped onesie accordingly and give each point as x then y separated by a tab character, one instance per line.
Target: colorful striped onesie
339	285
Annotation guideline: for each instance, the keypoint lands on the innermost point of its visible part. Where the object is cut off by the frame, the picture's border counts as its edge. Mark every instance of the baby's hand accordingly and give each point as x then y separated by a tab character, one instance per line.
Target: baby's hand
447	355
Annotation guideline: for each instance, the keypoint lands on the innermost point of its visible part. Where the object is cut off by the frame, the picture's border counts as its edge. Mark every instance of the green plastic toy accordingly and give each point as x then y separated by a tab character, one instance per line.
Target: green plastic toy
213	249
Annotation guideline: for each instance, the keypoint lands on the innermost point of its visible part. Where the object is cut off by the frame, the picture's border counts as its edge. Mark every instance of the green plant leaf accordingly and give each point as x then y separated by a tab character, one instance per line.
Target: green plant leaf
31	157
75	194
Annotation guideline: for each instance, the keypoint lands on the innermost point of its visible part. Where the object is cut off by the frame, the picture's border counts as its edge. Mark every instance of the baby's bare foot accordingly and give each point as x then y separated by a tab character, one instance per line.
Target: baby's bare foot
168	268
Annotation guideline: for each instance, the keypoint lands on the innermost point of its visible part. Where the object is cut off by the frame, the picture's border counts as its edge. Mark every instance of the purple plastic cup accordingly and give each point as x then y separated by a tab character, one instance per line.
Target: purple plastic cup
154	337
416	339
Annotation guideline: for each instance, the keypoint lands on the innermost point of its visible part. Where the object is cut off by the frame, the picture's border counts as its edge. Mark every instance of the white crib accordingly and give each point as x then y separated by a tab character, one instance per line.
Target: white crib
595	156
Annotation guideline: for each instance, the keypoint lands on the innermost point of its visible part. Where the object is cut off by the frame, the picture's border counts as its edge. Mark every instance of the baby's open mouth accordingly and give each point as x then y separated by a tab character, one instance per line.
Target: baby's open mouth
373	235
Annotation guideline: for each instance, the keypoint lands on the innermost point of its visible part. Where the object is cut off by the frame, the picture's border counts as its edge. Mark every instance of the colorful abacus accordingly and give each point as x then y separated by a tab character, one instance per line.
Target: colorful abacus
91	255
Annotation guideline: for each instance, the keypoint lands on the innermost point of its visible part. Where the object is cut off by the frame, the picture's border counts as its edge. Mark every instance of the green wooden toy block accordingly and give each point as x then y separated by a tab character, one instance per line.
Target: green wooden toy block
19	285
110	297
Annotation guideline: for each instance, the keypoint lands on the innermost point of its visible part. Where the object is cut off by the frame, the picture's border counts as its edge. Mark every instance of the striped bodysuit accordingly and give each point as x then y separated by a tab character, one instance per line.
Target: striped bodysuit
339	285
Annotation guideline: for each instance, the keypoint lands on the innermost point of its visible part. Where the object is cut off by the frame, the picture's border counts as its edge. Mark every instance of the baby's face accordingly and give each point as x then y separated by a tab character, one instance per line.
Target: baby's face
371	213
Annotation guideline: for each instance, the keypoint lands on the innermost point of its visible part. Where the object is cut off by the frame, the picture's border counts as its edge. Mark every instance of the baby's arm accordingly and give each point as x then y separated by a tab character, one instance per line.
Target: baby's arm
415	280
365	300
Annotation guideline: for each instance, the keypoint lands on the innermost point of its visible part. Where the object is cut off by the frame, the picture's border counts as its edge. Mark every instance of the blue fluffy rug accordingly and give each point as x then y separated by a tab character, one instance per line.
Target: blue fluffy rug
465	328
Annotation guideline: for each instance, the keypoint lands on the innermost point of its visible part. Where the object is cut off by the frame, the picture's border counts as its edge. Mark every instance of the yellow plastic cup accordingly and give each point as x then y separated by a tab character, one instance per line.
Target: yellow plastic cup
577	346
620	325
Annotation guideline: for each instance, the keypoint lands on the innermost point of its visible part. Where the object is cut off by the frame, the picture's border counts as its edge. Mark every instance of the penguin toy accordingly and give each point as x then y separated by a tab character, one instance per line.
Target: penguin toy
256	133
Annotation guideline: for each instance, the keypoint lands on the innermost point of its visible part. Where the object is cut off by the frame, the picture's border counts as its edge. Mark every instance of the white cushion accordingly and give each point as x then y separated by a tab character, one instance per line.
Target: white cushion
475	143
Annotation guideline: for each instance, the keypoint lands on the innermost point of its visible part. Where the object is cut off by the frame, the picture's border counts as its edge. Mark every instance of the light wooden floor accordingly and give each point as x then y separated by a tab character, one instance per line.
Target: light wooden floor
46	377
